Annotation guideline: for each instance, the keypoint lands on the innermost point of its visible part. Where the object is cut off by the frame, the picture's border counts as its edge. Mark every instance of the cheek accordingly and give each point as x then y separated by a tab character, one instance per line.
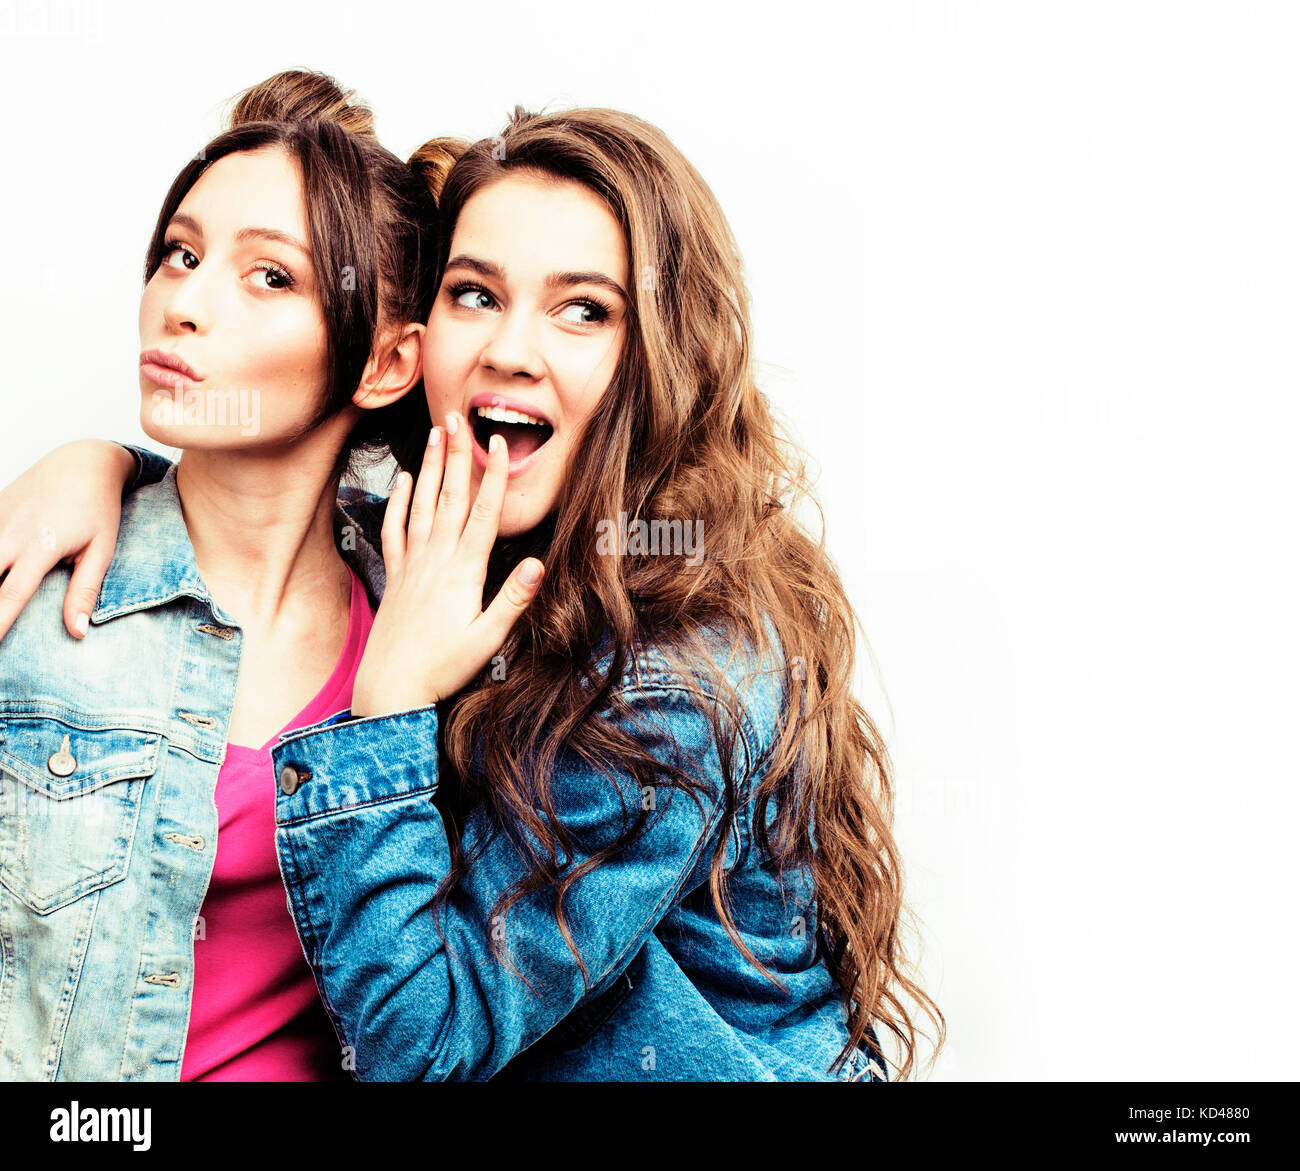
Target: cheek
437	390
449	359
296	338
429	354
288	350
582	384
150	307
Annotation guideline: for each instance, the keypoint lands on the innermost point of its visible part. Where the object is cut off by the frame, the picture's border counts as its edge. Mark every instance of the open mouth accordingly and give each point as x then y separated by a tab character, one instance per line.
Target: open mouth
524	434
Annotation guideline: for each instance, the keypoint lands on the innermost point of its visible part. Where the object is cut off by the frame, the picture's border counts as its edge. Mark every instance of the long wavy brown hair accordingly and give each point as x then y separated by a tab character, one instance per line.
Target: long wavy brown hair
684	433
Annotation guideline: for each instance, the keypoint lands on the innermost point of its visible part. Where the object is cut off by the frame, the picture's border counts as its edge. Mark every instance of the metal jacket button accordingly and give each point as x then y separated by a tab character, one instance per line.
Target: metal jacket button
63	763
291	778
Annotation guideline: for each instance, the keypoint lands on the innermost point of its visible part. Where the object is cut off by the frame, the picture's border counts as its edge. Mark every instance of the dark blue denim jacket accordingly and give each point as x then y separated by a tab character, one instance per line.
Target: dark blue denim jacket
363	846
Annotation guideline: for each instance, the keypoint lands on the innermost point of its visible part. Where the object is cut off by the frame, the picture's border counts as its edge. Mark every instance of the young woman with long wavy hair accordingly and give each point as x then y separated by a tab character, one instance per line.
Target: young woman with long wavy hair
635	825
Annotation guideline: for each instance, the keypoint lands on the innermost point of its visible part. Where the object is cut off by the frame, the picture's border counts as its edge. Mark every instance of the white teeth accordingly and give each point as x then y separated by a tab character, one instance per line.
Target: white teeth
502	415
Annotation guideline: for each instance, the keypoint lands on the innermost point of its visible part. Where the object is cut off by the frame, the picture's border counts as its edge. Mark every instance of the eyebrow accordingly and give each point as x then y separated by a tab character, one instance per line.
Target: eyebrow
557	280
181	220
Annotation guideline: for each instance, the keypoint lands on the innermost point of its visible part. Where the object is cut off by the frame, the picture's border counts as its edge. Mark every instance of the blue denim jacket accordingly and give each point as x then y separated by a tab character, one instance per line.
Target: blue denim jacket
362	847
109	752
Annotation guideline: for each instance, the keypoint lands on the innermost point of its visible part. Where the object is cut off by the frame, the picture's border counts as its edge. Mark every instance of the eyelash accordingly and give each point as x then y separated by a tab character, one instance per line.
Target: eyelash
460	288
170	246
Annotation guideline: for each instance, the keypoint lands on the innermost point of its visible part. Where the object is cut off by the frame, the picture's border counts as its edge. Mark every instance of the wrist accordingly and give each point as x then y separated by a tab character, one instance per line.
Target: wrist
128	463
120	460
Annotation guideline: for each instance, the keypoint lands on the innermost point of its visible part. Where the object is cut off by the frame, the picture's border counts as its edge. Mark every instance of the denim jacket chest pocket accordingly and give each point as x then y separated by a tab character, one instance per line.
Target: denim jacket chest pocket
70	797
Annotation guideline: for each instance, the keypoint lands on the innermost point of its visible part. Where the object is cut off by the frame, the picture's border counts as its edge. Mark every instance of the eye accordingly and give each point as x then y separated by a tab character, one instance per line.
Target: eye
173	252
584	312
275	277
471	297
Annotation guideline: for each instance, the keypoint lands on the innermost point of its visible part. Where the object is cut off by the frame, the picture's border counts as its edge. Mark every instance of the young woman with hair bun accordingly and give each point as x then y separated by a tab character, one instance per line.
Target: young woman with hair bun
144	916
628	823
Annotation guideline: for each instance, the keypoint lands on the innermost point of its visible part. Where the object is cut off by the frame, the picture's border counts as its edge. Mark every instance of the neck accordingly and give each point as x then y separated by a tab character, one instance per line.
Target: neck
262	529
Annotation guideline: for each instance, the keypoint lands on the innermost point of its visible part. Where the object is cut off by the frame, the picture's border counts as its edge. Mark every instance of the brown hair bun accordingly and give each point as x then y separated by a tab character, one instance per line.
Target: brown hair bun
300	95
434	159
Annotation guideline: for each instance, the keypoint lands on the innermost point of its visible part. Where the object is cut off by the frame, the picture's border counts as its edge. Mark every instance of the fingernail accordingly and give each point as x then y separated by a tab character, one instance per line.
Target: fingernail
435	437
82	623
530	573
452	424
495	443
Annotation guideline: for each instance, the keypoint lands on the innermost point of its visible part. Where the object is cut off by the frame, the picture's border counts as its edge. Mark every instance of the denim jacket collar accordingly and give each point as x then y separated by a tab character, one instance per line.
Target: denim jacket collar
154	560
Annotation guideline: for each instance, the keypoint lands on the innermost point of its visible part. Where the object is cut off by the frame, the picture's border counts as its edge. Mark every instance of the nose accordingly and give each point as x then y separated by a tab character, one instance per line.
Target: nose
511	349
187	310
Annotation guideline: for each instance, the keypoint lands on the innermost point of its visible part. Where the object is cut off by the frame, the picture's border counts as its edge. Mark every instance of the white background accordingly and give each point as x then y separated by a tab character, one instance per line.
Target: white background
1025	286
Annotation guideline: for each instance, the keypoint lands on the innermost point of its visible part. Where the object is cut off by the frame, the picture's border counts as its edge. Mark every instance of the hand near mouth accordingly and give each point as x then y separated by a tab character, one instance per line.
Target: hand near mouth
431	635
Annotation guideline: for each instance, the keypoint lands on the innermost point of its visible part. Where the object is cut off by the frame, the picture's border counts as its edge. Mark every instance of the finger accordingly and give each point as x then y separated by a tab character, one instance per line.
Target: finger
83	587
18	587
485	517
453	500
425	504
493	625
392	534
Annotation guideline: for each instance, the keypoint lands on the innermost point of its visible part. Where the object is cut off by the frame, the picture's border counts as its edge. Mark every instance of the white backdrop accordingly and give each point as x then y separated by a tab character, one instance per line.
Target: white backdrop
1025	285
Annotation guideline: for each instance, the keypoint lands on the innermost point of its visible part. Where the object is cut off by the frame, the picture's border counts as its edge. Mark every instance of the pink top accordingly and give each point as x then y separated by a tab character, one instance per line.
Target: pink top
255	1014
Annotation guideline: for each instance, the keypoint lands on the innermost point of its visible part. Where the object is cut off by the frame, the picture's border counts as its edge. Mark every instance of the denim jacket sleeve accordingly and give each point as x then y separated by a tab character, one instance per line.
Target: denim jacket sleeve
363	847
150	467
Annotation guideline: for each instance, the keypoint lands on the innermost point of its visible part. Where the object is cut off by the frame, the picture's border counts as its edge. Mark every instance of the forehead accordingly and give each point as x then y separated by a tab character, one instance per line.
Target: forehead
533	225
261	188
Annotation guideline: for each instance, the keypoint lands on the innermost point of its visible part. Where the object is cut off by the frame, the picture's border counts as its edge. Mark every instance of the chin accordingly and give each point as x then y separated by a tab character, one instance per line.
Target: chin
165	434
512	527
200	417
194	438
518	518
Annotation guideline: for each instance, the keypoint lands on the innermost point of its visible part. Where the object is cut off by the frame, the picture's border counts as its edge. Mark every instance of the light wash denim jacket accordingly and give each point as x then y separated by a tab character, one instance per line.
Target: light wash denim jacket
362	847
109	752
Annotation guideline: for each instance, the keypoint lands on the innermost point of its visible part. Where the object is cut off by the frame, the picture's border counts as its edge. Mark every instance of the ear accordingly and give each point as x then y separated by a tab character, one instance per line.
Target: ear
394	367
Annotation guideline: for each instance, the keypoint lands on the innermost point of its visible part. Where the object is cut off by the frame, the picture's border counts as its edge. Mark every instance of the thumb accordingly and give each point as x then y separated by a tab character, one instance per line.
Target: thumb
83	587
511	601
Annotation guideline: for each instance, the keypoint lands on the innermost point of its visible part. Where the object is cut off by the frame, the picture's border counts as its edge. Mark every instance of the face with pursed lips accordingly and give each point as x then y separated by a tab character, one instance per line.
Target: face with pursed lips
231	326
527	328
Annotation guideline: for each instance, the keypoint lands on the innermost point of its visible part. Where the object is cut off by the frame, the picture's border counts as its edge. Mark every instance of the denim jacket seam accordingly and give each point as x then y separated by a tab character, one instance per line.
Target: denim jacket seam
53	709
142	723
647	689
711	825
386	799
68	994
309	937
644	687
8	958
100	616
637	941
589	1015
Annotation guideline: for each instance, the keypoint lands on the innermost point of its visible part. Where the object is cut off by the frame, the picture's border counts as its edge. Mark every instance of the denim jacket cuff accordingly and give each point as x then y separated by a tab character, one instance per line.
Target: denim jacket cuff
345	762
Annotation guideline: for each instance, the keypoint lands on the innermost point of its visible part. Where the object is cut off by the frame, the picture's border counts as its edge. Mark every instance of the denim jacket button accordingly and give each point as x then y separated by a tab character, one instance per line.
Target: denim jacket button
289	780
63	763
